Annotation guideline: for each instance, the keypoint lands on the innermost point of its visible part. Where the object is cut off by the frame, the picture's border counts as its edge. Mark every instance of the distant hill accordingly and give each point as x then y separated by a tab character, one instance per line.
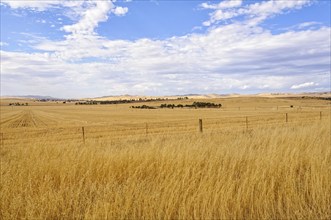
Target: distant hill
173	97
32	97
209	96
306	94
137	97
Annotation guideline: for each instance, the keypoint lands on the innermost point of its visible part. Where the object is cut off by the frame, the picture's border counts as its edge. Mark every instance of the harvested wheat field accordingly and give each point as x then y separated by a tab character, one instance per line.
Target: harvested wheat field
256	158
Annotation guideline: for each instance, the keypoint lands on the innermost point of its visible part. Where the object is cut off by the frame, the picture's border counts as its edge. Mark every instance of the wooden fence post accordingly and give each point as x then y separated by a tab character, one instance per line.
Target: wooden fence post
83	130
146	128
246	123
320	115
2	141
200	125
286	117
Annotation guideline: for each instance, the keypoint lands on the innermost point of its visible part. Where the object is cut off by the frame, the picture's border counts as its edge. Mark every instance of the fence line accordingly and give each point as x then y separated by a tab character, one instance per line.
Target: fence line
54	139
159	127
185	121
138	126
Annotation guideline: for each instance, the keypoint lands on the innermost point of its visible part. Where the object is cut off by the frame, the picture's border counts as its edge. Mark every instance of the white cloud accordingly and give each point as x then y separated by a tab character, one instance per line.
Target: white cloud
36	5
206	23
303	26
256	12
308	24
120	11
88	14
245	87
304	85
96	12
222	5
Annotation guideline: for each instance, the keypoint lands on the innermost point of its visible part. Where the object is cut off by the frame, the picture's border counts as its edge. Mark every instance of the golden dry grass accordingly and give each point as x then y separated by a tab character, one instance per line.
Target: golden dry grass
273	171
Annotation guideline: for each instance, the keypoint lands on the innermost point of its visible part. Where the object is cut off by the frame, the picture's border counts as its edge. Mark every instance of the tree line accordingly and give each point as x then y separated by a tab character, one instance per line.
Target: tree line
18	104
172	106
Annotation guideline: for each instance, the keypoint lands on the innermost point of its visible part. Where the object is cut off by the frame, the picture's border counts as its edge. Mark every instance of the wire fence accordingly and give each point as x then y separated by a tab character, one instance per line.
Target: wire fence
125	130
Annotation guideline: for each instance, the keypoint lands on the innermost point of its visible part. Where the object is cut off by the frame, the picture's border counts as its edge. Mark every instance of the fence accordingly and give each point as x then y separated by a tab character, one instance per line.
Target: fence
82	134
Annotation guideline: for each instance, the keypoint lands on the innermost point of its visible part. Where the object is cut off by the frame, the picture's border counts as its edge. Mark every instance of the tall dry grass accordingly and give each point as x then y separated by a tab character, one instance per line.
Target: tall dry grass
278	173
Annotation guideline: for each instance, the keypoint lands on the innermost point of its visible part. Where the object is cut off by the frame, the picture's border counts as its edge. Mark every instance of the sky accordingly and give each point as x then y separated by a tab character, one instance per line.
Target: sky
76	49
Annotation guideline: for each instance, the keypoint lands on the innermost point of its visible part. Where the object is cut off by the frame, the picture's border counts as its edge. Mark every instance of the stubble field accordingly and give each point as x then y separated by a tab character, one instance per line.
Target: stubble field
250	162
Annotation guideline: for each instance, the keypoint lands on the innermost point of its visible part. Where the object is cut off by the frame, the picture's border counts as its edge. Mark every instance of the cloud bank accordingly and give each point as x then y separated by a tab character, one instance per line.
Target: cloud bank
227	58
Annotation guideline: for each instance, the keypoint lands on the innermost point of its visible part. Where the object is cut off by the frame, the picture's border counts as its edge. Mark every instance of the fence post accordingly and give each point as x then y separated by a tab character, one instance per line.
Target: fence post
320	115
200	125
146	128
83	130
2	141
286	117
246	123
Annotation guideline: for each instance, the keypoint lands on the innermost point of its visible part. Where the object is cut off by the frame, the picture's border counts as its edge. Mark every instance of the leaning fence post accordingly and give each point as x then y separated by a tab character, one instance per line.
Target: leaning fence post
200	125
286	117
83	130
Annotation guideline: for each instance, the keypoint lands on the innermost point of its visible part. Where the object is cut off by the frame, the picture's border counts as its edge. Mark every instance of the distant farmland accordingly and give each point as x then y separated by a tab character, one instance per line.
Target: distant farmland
255	158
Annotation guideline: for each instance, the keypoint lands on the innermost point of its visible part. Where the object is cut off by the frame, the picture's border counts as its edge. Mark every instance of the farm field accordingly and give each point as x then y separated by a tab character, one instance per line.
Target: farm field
256	158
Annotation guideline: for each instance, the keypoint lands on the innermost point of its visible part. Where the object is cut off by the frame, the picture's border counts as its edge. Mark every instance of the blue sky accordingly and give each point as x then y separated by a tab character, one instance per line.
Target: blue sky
74	49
